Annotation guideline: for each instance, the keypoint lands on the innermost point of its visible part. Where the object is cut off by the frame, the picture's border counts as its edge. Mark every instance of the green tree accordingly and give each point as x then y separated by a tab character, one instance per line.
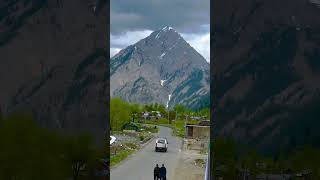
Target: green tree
306	158
179	110
28	152
135	110
79	153
204	112
148	107
162	109
119	113
224	158
155	106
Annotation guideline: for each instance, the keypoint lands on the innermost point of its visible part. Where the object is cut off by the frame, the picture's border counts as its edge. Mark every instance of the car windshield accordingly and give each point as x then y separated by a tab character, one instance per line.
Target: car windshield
161	141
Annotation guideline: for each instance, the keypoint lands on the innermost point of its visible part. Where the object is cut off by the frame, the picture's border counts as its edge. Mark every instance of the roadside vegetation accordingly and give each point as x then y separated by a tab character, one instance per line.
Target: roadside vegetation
119	153
30	152
122	114
128	143
234	161
129	125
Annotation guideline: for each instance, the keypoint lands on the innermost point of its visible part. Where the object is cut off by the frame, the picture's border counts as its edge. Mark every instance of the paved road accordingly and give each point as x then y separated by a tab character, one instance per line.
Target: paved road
140	165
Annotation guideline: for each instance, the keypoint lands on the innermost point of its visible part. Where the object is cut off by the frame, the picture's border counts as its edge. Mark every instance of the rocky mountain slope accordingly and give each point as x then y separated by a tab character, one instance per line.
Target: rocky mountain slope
53	62
161	68
267	72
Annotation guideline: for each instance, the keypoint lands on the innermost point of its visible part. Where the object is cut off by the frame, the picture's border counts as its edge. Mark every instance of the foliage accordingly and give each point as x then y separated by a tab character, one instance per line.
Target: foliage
179	126
120	156
30	152
229	161
150	128
179	109
135	110
79	153
119	113
121	152
162	121
204	112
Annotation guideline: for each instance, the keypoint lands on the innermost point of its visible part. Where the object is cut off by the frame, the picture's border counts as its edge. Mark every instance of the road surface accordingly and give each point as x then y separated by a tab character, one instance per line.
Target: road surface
140	165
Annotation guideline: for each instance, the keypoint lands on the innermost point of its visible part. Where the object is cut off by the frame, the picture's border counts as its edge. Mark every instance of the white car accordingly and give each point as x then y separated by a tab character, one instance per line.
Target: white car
161	145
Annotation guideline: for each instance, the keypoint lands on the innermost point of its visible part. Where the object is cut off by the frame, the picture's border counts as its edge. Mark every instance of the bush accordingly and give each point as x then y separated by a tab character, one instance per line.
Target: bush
31	152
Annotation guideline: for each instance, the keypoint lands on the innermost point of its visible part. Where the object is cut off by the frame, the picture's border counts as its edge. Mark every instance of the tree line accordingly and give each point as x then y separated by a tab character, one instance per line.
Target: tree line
122	112
232	160
30	152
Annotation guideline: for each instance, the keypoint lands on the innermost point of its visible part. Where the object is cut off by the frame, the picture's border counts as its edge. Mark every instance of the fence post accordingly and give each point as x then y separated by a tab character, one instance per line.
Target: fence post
207	170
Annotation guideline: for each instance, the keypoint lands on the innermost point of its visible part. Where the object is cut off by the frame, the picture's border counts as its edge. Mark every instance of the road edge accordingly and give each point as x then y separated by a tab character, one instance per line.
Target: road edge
131	155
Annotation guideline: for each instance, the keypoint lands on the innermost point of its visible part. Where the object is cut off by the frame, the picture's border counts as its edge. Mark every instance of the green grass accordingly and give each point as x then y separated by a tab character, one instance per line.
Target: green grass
156	122
151	128
120	156
178	127
122	152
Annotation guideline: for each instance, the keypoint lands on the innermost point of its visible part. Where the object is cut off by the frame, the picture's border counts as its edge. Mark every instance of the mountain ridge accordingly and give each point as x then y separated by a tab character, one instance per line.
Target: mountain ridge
160	62
265	71
54	63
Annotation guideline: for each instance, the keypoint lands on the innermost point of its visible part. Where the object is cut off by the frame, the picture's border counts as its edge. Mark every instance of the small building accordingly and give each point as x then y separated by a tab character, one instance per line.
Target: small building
204	123
151	115
198	131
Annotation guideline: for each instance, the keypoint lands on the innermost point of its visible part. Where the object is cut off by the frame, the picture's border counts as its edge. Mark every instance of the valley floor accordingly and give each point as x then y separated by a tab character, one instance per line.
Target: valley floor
181	164
191	166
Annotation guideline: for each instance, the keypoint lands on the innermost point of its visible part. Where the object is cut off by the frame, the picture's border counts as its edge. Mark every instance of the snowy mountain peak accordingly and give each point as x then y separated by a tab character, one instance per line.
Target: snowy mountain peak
163	64
167	28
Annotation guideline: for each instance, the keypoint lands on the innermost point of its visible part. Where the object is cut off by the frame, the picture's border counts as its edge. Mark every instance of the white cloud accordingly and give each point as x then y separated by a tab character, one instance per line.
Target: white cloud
200	42
114	51
128	38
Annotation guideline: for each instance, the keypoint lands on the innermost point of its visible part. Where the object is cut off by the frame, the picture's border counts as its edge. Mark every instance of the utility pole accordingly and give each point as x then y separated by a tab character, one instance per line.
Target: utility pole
176	116
168	116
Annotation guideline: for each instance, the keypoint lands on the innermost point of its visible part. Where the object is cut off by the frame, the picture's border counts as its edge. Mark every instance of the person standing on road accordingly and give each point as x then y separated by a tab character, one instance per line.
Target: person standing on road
156	172
163	173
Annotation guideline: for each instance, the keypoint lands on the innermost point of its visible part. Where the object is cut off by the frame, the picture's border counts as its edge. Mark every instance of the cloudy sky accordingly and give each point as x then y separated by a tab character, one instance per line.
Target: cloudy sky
132	20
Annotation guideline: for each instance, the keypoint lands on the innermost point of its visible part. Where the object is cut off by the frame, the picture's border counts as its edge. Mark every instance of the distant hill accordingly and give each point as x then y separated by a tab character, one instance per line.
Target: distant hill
53	62
267	72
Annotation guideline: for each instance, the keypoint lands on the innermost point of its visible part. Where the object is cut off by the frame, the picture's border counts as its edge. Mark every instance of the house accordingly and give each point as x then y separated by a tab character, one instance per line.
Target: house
146	115
204	123
198	131
157	114
197	136
151	115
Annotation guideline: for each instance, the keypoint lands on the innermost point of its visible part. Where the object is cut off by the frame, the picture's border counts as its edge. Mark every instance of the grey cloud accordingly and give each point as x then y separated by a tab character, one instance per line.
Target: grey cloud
184	15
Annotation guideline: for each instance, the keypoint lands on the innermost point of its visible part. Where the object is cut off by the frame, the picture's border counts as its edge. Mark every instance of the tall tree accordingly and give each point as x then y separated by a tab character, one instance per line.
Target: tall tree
79	153
135	109
179	109
119	113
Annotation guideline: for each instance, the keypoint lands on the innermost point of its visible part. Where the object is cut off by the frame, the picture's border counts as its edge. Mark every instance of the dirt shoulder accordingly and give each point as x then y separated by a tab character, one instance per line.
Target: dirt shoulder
191	166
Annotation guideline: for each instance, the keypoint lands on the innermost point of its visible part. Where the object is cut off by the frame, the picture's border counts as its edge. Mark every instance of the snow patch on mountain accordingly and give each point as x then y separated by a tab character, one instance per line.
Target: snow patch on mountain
158	35
168	100
168	28
162	82
163	54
